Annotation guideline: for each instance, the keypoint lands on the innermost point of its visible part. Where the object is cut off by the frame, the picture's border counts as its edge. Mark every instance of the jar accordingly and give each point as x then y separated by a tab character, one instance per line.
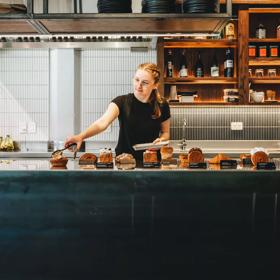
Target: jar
262	51
278	31
259	72
250	72
271	72
270	95
273	51
252	51
261	32
230	33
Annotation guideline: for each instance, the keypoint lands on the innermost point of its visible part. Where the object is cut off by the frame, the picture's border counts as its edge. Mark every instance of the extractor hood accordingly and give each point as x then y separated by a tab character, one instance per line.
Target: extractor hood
130	23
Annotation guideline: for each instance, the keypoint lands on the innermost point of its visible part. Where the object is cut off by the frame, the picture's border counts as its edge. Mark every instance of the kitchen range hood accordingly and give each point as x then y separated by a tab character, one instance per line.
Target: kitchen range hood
129	23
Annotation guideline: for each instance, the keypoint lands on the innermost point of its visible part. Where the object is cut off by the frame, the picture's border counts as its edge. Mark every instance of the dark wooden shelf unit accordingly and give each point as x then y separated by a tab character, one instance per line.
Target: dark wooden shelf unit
267	61
200	81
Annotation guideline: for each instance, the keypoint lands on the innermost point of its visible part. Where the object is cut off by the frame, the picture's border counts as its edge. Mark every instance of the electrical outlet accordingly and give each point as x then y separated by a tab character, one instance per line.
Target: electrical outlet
236	125
31	127
22	127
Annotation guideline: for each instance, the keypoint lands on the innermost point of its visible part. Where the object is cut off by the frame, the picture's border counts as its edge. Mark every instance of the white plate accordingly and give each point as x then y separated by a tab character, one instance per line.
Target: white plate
145	146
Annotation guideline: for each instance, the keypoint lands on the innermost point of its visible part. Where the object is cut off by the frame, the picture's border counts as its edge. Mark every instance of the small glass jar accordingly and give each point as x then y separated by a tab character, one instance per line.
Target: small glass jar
278	31
252	51
250	72
262	51
259	72
273	51
271	72
261	32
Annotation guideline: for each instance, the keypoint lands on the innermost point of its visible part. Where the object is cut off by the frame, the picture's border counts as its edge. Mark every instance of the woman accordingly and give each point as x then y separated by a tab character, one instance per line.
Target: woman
144	116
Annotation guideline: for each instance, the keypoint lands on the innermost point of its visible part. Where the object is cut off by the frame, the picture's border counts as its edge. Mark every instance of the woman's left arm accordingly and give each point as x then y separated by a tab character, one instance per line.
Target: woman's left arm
164	131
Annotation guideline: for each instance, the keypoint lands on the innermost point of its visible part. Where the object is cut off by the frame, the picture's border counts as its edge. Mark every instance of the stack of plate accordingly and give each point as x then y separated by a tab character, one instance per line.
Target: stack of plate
200	6
114	6
158	6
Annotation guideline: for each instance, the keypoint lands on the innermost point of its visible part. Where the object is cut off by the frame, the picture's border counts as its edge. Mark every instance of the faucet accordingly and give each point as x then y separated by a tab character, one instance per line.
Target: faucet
183	143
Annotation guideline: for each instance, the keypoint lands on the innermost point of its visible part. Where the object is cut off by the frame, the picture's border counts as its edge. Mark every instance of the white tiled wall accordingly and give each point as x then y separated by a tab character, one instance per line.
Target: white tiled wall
24	93
105	74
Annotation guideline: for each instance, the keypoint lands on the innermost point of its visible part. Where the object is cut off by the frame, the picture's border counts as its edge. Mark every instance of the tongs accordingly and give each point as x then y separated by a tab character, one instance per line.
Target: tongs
57	152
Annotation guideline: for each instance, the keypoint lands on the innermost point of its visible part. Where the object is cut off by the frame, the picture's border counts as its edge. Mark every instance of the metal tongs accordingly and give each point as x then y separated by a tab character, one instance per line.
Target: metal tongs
59	152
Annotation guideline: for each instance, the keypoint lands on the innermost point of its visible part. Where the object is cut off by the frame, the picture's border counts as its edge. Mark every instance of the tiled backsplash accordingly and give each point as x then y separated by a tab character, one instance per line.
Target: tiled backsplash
24	94
214	123
107	73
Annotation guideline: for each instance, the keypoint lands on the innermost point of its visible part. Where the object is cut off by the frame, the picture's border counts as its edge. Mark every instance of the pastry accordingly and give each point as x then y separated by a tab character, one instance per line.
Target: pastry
217	159
183	160
105	156
259	156
195	155
150	156
166	152
88	158
125	159
60	162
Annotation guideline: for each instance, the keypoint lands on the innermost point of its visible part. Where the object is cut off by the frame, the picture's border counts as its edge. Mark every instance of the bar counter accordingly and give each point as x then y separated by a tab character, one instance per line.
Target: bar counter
137	224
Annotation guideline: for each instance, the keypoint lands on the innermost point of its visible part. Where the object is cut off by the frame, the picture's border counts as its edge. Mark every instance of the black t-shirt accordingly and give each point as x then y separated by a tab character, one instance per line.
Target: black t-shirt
137	124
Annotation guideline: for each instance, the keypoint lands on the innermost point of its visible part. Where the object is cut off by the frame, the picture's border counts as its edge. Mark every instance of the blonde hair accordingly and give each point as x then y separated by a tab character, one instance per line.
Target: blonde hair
155	98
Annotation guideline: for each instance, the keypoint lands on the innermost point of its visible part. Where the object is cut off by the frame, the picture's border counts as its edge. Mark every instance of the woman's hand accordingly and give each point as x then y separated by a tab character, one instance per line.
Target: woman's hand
157	140
74	139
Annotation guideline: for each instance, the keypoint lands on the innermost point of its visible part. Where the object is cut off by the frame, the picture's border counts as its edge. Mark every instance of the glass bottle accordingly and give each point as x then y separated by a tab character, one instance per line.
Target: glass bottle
261	32
199	71
230	32
169	64
228	64
183	65
214	69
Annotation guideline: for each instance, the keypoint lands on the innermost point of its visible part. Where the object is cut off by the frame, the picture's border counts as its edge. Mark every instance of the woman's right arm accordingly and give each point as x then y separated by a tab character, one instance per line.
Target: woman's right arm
95	128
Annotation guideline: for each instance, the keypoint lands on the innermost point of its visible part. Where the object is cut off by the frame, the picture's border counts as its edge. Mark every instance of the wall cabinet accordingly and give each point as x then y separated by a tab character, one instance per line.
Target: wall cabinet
258	73
209	88
264	68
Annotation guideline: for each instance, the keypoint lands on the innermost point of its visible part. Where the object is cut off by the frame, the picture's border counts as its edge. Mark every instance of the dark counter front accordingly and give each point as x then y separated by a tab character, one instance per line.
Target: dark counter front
139	224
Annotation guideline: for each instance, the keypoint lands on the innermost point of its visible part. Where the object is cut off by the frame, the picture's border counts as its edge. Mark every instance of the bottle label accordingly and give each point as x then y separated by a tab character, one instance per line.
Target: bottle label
230	31
261	33
199	72
184	72
229	63
214	71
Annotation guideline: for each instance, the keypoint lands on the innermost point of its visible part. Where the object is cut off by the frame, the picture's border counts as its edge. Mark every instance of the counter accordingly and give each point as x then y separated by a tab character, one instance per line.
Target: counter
140	224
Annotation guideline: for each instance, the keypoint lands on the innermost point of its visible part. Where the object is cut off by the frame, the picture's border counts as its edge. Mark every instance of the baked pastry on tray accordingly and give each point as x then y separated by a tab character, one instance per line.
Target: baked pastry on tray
125	161
217	159
183	160
88	158
150	156
58	161
259	156
195	155
166	153
105	155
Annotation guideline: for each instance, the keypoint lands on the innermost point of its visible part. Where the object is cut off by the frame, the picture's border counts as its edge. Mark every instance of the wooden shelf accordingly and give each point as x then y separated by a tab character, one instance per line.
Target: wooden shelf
251	2
264	62
265	10
184	44
267	40
268	80
201	103
200	81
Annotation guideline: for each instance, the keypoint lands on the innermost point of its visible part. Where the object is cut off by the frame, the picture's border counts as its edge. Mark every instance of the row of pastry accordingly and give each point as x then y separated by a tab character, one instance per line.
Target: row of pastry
194	155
